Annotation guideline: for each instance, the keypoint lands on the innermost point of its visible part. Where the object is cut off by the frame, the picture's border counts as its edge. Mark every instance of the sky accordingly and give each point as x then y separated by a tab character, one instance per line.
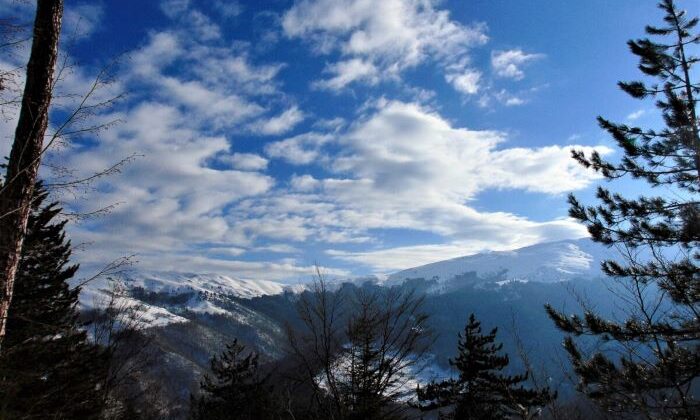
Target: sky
263	138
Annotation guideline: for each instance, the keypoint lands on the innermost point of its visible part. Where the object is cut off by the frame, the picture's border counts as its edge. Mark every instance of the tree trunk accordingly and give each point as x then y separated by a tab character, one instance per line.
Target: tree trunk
22	168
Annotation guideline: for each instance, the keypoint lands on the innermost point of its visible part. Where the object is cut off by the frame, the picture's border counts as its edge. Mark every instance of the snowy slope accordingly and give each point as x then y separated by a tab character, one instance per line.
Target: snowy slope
420	372
94	297
206	291
210	293
177	283
548	262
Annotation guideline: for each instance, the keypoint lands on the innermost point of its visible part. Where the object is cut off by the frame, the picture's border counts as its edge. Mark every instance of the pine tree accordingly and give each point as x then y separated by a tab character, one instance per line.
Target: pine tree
362	384
658	236
48	368
360	370
237	389
482	391
386	337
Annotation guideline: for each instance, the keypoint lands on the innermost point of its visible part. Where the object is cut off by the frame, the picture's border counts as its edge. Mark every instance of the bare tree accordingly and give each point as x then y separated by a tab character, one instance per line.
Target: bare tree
360	348
119	327
316	347
82	117
25	156
539	377
13	36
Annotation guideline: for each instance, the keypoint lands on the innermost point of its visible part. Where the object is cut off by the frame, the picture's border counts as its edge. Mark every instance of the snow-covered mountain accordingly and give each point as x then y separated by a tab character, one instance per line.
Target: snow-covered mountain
205	293
548	262
210	293
193	316
218	284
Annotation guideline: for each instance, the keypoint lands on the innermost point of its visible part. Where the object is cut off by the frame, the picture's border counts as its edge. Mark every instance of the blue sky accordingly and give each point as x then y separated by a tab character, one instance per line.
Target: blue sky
363	136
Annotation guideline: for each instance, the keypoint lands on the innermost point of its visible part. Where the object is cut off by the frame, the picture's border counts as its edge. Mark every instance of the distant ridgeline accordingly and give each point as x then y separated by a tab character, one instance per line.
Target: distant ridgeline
194	322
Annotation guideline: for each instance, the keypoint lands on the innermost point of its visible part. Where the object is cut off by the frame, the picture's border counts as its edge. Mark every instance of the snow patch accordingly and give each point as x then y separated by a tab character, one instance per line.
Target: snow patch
423	371
150	315
202	306
510	281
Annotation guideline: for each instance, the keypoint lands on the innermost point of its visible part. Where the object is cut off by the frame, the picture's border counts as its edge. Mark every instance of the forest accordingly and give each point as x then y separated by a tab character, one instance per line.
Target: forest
481	344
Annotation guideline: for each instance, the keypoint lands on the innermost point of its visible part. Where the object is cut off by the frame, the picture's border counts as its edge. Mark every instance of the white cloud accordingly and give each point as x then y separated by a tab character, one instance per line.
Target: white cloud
190	91
332	124
218	84
283	270
389	260
509	63
280	249
223	66
203	26
245	161
198	24
634	116
398	258
404	145
404	166
231	251
304	183
160	51
508	99
281	123
81	20
194	202
348	71
173	8
378	40
466	82
299	150
228	9
171	200
216	106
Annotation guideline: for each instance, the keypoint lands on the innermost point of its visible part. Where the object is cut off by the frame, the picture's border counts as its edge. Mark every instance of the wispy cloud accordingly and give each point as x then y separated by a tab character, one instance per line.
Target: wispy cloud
379	40
636	115
192	90
510	63
239	161
82	20
299	150
404	166
466	81
280	124
244	161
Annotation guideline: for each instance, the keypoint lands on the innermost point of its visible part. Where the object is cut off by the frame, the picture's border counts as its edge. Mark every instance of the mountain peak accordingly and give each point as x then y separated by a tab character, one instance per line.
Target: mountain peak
545	262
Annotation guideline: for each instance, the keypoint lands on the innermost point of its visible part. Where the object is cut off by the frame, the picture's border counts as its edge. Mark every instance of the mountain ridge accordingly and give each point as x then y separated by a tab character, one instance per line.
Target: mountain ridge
544	262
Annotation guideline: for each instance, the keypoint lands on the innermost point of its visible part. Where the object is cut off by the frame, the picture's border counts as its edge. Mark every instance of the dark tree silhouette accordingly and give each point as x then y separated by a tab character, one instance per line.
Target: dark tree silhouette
49	368
658	239
237	389
482	390
359	347
17	190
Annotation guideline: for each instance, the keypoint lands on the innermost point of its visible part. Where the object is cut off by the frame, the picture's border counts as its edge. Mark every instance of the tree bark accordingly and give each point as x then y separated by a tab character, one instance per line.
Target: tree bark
27	148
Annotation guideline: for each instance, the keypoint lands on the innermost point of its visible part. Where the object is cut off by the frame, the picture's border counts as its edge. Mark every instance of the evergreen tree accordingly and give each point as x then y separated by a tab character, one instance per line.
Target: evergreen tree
360	370
386	337
237	389
48	368
482	391
361	382
658	236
